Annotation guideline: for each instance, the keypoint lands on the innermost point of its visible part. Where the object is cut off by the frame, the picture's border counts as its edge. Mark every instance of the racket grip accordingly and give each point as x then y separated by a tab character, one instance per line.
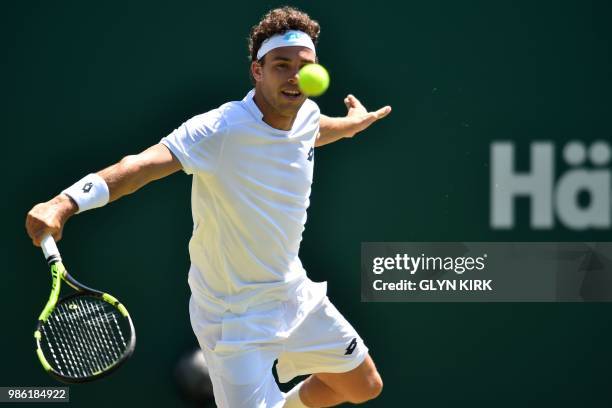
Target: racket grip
49	248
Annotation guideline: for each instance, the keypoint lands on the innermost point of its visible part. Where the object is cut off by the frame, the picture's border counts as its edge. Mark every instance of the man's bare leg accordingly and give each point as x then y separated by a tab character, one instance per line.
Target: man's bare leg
330	389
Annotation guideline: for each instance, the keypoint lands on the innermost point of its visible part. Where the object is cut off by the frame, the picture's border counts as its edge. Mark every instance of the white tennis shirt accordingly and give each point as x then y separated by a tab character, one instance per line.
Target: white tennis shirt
250	191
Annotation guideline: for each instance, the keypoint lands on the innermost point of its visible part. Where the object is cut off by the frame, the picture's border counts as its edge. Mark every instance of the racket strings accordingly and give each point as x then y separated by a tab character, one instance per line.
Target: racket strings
94	344
83	336
99	323
75	355
61	358
72	360
88	340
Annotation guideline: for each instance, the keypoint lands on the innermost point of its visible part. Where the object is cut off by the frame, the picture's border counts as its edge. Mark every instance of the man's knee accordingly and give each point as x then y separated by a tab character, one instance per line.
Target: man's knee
359	385
369	389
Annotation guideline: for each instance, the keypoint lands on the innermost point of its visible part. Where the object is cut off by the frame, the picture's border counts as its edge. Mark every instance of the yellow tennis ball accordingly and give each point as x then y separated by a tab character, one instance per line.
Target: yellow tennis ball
313	79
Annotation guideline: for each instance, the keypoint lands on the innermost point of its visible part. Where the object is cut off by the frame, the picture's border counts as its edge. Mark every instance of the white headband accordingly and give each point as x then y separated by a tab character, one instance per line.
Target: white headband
288	39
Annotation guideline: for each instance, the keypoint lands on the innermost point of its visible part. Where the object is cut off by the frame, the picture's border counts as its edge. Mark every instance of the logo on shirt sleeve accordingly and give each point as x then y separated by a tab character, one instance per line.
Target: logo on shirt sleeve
311	154
351	347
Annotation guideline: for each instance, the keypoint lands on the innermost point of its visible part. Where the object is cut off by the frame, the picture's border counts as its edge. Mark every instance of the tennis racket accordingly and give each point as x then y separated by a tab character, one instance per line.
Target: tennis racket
85	335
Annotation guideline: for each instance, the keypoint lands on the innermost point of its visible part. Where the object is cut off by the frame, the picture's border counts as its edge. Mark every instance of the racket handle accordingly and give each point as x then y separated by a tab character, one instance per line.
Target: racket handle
49	248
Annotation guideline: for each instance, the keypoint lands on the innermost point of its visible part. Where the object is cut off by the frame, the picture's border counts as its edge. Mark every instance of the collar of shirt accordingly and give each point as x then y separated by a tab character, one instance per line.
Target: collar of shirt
252	107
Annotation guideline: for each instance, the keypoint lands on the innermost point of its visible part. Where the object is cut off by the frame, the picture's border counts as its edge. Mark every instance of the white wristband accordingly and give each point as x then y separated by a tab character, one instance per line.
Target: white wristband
89	192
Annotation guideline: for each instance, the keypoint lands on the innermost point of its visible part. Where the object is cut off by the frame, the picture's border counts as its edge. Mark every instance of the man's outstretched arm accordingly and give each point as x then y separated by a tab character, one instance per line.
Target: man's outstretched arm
122	178
357	119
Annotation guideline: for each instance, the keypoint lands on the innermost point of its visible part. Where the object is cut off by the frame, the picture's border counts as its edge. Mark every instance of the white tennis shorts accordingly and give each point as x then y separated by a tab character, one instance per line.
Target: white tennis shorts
240	350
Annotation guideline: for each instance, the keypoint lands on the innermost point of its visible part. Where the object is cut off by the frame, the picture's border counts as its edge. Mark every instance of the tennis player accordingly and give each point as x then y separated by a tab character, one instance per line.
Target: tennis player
252	166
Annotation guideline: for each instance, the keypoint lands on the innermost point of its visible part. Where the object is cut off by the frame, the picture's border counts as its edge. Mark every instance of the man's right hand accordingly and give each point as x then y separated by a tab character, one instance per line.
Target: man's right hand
49	218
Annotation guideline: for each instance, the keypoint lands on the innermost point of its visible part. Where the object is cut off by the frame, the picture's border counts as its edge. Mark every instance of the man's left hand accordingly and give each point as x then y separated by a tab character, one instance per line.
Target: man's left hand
358	118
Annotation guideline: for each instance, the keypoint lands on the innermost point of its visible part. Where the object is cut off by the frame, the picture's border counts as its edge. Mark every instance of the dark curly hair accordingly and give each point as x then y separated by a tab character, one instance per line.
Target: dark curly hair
278	21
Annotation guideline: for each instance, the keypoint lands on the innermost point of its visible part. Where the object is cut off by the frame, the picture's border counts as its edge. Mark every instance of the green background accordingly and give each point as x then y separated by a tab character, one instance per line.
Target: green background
85	84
